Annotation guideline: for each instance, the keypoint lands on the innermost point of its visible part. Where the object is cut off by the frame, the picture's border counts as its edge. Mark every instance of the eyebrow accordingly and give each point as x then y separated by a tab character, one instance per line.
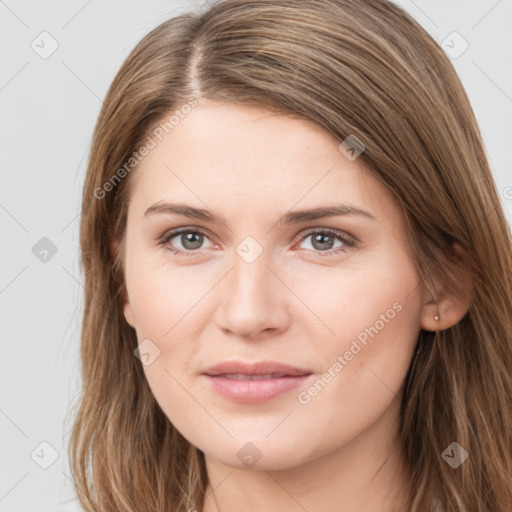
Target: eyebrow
291	217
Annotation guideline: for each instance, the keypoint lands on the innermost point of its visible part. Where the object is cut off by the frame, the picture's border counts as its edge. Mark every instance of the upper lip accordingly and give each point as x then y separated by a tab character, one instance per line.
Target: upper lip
256	368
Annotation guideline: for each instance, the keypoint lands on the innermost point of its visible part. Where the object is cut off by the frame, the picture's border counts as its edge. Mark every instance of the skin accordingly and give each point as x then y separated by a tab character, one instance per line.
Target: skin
339	452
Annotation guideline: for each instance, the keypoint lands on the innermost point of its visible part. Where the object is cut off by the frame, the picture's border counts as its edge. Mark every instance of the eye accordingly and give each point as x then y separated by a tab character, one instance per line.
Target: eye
323	240
191	240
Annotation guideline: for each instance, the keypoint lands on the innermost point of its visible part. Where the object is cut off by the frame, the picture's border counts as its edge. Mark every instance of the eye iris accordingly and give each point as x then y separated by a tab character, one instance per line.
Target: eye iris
320	237
188	237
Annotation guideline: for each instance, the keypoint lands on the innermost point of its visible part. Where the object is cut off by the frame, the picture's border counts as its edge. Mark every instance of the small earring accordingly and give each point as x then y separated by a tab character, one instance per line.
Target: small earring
436	317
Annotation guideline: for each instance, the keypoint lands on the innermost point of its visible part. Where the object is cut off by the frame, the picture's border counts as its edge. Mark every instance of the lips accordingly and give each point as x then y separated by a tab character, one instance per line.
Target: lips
253	383
243	376
262	368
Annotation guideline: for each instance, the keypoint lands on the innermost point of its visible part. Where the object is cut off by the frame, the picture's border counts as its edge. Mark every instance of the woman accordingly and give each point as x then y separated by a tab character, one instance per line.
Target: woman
230	359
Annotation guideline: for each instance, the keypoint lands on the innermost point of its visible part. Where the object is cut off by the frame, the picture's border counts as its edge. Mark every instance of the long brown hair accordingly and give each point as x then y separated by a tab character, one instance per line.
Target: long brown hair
362	68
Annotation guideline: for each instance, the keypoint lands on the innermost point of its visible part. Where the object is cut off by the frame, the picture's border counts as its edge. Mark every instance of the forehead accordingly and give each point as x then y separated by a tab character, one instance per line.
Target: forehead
247	159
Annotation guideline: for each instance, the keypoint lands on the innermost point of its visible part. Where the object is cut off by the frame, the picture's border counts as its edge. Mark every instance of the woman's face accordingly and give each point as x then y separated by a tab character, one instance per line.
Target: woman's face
335	296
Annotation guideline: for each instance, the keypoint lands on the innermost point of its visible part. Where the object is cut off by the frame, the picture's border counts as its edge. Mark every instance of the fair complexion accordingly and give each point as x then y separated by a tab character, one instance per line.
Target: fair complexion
302	301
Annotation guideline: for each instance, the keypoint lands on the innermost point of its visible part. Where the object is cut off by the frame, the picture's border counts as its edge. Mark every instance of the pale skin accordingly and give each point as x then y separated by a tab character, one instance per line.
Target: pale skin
291	304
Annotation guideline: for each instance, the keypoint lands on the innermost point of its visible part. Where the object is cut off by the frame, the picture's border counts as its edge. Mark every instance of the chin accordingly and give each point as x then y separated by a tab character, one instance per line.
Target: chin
260	455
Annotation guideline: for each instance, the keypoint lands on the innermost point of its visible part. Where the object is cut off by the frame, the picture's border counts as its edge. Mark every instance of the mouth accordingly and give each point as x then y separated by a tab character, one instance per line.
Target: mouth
255	382
243	376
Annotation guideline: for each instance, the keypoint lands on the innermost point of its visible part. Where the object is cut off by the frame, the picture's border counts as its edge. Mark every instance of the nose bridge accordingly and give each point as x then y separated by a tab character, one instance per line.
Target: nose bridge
250	297
250	273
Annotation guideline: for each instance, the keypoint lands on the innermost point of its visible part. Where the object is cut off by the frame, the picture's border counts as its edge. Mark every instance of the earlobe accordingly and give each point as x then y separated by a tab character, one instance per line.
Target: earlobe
444	314
445	307
431	316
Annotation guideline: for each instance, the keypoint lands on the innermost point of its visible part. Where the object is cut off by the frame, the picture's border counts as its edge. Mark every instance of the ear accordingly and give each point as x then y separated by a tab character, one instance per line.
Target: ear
128	314
127	308
449	303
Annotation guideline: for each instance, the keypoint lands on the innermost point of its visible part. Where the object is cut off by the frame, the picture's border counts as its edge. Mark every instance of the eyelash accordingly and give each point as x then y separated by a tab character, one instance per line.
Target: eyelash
347	240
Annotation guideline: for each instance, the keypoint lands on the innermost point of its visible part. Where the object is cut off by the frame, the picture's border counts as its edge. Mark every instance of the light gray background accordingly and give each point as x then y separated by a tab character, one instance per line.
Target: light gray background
48	110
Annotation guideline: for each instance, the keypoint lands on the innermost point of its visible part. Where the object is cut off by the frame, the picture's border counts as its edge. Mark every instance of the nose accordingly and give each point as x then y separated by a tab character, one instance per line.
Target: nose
253	301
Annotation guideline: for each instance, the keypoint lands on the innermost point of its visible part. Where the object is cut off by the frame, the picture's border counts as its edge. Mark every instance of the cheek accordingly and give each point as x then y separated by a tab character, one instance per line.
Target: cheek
372	301
168	317
364	368
376	289
162	296
168	311
166	306
376	320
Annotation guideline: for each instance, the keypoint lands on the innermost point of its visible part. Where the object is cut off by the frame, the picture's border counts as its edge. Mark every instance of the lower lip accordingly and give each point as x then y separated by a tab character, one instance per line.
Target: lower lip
255	391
